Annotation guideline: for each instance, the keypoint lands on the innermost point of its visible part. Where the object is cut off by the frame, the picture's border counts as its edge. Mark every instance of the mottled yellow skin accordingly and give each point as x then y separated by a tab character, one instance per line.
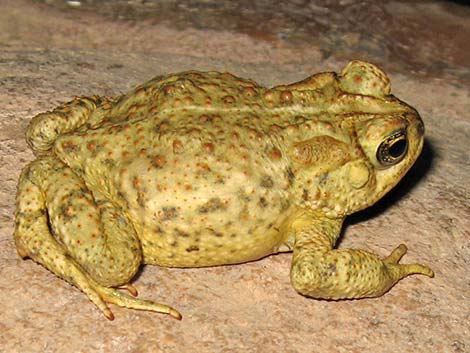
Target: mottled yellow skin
205	168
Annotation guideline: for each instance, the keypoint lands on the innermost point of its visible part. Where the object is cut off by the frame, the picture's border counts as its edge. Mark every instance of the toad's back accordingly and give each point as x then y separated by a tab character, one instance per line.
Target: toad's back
232	98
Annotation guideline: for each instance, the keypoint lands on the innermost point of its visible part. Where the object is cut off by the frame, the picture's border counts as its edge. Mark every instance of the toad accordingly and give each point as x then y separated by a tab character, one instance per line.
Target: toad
205	168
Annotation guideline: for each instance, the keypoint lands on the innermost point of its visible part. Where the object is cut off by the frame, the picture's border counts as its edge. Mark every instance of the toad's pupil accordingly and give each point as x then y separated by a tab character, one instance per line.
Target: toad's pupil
398	148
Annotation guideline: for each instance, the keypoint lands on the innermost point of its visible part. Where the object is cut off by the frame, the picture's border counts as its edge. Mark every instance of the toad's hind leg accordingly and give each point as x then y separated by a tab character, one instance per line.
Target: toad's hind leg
90	245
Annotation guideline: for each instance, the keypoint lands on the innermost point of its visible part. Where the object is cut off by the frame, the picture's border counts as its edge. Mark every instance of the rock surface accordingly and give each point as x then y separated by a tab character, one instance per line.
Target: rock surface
51	51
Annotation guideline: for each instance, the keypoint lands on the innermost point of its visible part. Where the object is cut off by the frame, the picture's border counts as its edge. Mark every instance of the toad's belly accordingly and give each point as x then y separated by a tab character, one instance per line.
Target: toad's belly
223	229
188	219
198	244
177	236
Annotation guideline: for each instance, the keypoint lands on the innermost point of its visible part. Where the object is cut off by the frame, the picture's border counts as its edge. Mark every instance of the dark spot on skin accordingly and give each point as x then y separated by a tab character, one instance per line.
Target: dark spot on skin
220	180
67	212
169	213
216	233
80	192
93	147
68	146
290	175
305	195
243	196
208	147
212	205
141	199
117	128
329	270
262	202
323	178
192	248
57	168
267	182
159	230
109	163
228	99
150	244
158	161
123	198
284	204
206	118
173	243
181	233
269	225
244	214
163	125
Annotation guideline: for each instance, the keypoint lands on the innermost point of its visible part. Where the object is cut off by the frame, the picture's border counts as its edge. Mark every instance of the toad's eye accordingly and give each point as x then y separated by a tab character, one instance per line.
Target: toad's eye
393	148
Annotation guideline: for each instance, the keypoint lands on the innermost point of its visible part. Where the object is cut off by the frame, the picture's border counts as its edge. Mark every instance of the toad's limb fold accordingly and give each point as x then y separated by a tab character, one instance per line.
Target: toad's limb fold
319	271
55	211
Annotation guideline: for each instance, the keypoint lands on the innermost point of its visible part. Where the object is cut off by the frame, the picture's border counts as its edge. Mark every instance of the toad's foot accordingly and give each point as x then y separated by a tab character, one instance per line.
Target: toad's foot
101	295
105	295
392	263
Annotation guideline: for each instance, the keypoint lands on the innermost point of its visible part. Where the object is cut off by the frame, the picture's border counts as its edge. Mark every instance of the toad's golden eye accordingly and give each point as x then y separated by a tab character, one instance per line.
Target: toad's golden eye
393	148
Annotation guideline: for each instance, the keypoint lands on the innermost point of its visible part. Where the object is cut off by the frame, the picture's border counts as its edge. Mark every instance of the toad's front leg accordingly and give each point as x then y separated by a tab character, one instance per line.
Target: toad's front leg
319	271
60	225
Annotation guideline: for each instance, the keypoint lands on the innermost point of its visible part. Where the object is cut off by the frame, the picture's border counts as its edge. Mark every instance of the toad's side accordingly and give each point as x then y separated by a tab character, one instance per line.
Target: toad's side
200	169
